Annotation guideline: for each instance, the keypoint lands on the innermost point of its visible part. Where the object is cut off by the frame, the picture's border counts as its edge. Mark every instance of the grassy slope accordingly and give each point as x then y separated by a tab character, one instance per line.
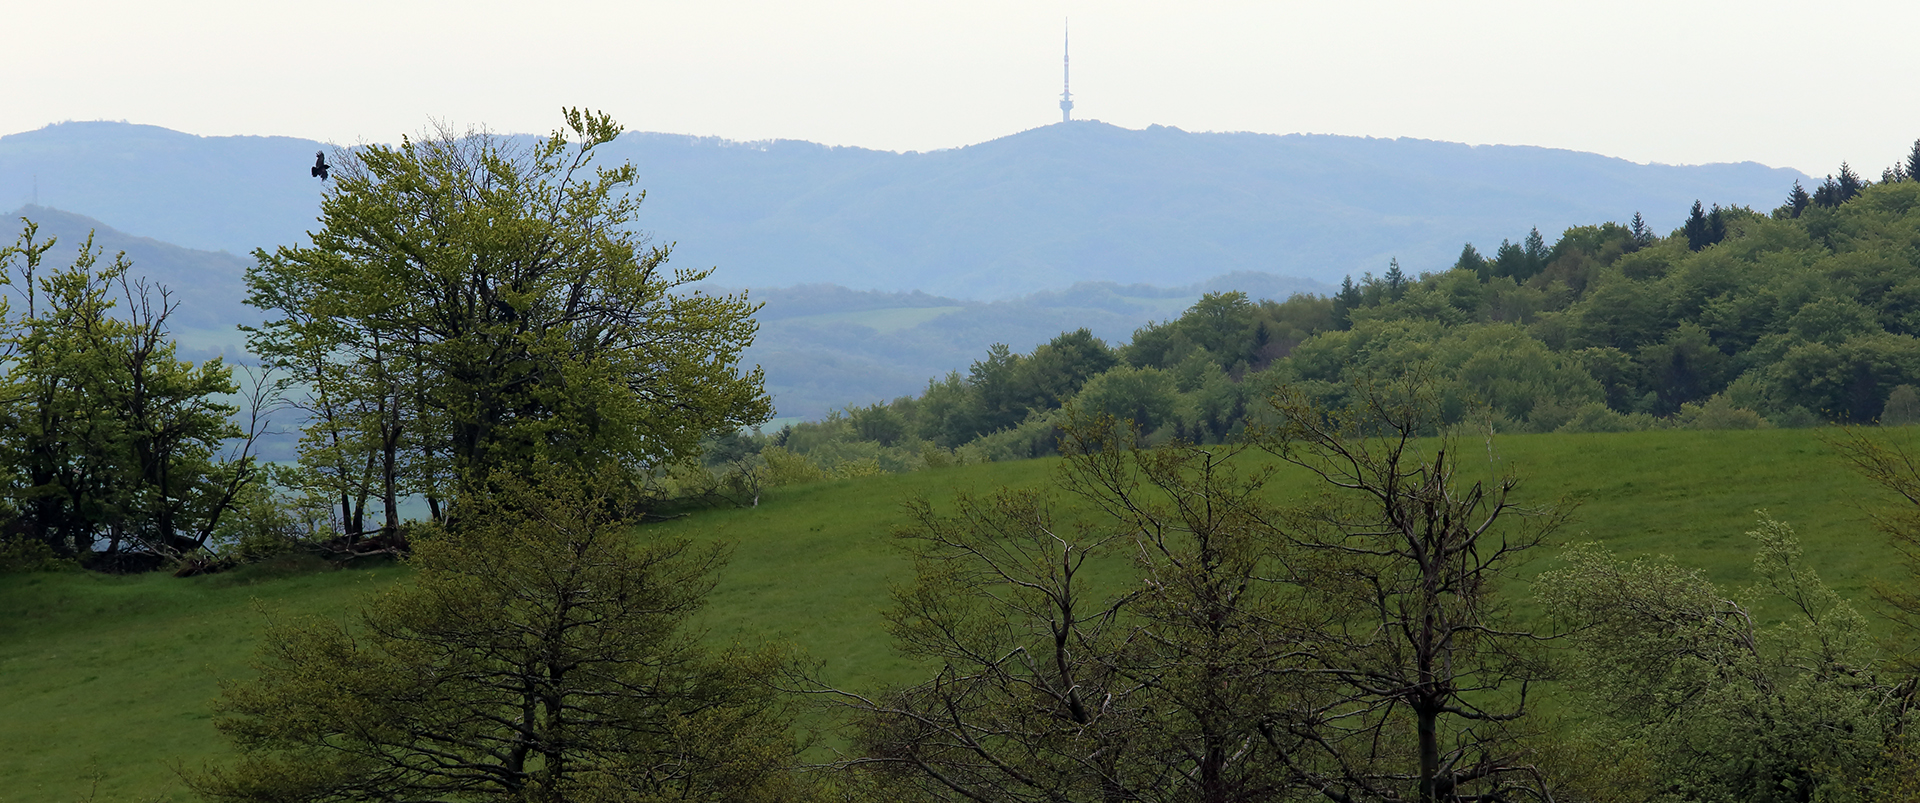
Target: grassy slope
115	673
112	676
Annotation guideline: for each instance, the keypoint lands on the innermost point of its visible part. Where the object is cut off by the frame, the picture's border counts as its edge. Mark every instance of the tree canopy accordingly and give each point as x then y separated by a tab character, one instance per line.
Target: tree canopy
116	452
540	652
472	302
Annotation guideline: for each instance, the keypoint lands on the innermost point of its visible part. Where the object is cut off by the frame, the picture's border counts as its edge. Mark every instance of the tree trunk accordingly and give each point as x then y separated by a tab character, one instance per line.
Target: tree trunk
1429	734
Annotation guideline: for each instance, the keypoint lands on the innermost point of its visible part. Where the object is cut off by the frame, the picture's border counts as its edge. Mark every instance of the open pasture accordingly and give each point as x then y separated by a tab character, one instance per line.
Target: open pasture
105	682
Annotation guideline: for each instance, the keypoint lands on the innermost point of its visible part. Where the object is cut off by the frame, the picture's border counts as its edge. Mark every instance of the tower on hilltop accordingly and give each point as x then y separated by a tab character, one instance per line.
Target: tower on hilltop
1066	76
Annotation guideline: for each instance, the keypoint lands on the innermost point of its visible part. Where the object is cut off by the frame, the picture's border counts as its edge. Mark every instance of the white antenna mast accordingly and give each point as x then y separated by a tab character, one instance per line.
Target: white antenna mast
1066	75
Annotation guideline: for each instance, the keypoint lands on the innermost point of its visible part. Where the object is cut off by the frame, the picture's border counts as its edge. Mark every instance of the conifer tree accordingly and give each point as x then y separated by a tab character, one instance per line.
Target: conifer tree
1697	228
1913	162
1536	248
1470	259
1827	195
1345	301
1396	280
1850	183
1510	261
1641	232
1798	200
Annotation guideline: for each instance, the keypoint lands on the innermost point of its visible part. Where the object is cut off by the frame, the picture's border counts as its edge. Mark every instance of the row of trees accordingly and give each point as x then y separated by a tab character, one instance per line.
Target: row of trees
468	305
116	451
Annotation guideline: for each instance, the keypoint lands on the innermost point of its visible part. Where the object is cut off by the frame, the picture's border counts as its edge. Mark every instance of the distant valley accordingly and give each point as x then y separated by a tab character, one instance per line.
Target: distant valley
823	346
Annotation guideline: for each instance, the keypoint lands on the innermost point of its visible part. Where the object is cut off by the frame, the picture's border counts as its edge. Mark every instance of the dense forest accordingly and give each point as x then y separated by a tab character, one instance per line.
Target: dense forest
1739	319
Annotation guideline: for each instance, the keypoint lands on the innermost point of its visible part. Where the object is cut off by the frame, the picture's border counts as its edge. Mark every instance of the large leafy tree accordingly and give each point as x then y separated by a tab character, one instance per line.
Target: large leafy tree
473	301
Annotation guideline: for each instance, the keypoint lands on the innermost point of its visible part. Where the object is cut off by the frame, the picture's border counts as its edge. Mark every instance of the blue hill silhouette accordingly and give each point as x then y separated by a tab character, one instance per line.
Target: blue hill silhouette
1041	209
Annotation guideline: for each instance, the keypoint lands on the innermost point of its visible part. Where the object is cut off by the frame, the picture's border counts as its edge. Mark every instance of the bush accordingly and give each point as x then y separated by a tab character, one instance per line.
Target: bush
1903	407
787	468
1795	417
1718	412
852	469
1597	417
25	555
260	526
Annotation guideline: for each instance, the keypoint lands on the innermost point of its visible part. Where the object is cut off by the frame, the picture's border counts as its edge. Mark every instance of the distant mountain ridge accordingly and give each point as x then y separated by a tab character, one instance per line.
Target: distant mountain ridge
207	287
1044	208
823	346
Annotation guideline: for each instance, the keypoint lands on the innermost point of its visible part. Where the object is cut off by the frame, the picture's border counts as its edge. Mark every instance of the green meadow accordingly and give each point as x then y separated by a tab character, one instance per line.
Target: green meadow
106	682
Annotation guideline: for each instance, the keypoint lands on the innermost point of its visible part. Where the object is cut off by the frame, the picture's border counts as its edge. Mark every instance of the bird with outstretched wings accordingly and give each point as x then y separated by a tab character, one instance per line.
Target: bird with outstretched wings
320	165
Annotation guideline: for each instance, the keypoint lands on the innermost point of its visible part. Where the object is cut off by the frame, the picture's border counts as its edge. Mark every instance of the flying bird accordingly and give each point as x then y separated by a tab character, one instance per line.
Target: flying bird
320	165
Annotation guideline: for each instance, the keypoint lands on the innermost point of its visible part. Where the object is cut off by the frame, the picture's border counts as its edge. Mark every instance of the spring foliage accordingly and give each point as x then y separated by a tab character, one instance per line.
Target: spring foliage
541	652
472	302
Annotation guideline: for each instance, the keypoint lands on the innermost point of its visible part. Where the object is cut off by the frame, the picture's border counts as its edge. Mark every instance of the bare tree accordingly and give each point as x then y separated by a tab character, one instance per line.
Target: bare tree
1173	632
1413	552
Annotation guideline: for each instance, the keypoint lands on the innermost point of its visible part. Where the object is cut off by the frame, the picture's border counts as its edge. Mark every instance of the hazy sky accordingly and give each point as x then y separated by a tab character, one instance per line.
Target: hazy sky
1797	84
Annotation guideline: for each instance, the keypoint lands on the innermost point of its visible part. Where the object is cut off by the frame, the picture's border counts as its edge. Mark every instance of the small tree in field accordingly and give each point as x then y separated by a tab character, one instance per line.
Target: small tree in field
1431	674
541	653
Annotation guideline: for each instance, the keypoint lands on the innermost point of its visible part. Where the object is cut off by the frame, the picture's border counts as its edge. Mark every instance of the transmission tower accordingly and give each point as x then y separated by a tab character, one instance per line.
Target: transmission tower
1066	76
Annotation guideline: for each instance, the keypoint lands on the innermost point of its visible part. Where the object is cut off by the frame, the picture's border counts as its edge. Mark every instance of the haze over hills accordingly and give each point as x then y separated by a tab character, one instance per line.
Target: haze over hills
883	269
1038	210
207	286
823	346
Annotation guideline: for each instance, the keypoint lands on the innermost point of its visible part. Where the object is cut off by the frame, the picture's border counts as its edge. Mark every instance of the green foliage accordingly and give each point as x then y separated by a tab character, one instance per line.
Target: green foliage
115	672
1702	698
19	555
113	444
1795	321
538	653
469	305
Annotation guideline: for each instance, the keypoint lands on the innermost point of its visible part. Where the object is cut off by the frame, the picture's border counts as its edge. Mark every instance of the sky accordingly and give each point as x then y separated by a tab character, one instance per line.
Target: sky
1788	84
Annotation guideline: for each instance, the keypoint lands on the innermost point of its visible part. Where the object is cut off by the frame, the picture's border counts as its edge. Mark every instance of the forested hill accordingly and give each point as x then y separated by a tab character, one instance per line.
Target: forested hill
1041	209
1806	314
207	286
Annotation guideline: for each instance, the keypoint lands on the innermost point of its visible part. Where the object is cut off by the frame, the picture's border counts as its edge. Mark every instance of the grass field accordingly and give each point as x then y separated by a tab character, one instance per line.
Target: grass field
105	681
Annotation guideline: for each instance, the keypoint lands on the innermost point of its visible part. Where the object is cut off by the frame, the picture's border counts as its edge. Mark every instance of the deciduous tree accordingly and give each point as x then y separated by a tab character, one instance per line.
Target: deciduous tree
541	652
472	302
1350	649
1692	697
1433	674
112	443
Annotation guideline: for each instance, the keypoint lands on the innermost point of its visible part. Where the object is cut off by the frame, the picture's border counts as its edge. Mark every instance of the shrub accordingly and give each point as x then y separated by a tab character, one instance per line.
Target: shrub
1717	412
